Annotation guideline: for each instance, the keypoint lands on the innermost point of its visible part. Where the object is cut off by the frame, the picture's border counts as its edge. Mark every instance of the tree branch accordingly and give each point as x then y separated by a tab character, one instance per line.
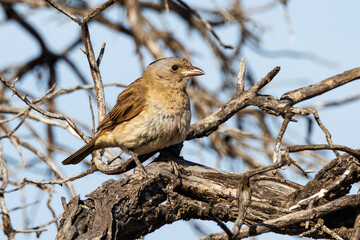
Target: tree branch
136	206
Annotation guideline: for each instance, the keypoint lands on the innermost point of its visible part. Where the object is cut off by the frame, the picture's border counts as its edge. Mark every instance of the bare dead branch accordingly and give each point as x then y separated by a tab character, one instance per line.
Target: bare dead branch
297	148
210	185
95	72
279	138
77	176
97	11
210	124
6	222
43	112
205	23
62	10
140	35
98	61
319	88
336	103
294	218
240	87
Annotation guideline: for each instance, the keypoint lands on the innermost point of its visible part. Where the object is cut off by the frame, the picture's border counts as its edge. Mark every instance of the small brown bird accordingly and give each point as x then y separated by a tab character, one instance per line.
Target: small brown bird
150	114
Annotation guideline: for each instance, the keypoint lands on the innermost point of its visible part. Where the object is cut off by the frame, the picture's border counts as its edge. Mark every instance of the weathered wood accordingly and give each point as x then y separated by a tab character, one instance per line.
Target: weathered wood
133	207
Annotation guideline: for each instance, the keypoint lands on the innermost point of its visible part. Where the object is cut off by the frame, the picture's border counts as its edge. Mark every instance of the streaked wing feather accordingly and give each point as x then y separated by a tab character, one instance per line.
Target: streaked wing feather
129	104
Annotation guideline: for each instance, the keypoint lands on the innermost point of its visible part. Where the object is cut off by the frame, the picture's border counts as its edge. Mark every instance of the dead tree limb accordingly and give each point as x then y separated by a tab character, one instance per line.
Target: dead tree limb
133	207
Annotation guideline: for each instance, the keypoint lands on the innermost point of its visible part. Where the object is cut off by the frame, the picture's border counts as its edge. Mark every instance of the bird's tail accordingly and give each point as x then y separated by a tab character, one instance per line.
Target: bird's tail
80	154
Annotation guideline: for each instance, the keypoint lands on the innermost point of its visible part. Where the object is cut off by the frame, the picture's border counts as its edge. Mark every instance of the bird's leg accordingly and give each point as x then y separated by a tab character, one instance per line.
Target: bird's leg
138	163
171	153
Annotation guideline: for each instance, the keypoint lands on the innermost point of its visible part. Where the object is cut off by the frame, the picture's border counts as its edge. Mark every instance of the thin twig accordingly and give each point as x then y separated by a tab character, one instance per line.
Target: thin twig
51	192
240	87
6	222
49	162
205	23
77	176
279	138
223	227
244	199
92	117
325	130
330	232
8	135
14	141
62	91
43	112
285	154
210	124
335	103
321	87
298	148
95	72
101	54
15	116
30	231
97	11
62	10
23	206
264	81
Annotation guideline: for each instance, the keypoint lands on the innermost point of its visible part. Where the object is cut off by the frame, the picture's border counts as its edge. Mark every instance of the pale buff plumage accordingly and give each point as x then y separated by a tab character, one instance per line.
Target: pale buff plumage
150	114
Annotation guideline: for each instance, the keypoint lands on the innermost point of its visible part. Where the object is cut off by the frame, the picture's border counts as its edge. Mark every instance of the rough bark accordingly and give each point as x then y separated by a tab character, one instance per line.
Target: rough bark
133	207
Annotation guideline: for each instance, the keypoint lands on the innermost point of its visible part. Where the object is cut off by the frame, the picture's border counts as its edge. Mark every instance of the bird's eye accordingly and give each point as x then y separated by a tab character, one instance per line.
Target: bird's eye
174	67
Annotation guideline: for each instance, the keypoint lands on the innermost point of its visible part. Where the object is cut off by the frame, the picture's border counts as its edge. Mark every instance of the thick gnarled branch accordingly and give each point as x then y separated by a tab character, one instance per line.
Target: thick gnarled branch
136	206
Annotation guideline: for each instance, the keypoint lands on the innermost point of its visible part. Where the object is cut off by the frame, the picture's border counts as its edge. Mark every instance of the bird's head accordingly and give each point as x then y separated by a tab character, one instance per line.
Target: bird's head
172	71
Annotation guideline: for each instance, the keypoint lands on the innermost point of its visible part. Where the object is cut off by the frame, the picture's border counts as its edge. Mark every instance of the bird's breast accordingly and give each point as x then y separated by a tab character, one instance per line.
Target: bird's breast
168	126
157	126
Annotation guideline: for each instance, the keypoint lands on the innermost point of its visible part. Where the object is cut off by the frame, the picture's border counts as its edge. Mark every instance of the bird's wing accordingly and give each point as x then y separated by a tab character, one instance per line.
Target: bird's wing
129	104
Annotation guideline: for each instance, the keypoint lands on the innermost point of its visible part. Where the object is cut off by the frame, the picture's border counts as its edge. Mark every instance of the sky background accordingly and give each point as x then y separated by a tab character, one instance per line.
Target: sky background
327	31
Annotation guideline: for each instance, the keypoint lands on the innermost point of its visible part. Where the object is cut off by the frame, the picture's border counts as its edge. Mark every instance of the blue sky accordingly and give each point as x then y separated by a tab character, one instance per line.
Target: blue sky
327	30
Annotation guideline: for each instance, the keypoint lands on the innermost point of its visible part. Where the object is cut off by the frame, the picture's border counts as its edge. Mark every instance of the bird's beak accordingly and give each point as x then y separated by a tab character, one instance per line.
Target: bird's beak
193	71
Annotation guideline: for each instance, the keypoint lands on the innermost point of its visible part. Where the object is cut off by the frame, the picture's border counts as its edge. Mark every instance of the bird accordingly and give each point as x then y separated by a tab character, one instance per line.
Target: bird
150	114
